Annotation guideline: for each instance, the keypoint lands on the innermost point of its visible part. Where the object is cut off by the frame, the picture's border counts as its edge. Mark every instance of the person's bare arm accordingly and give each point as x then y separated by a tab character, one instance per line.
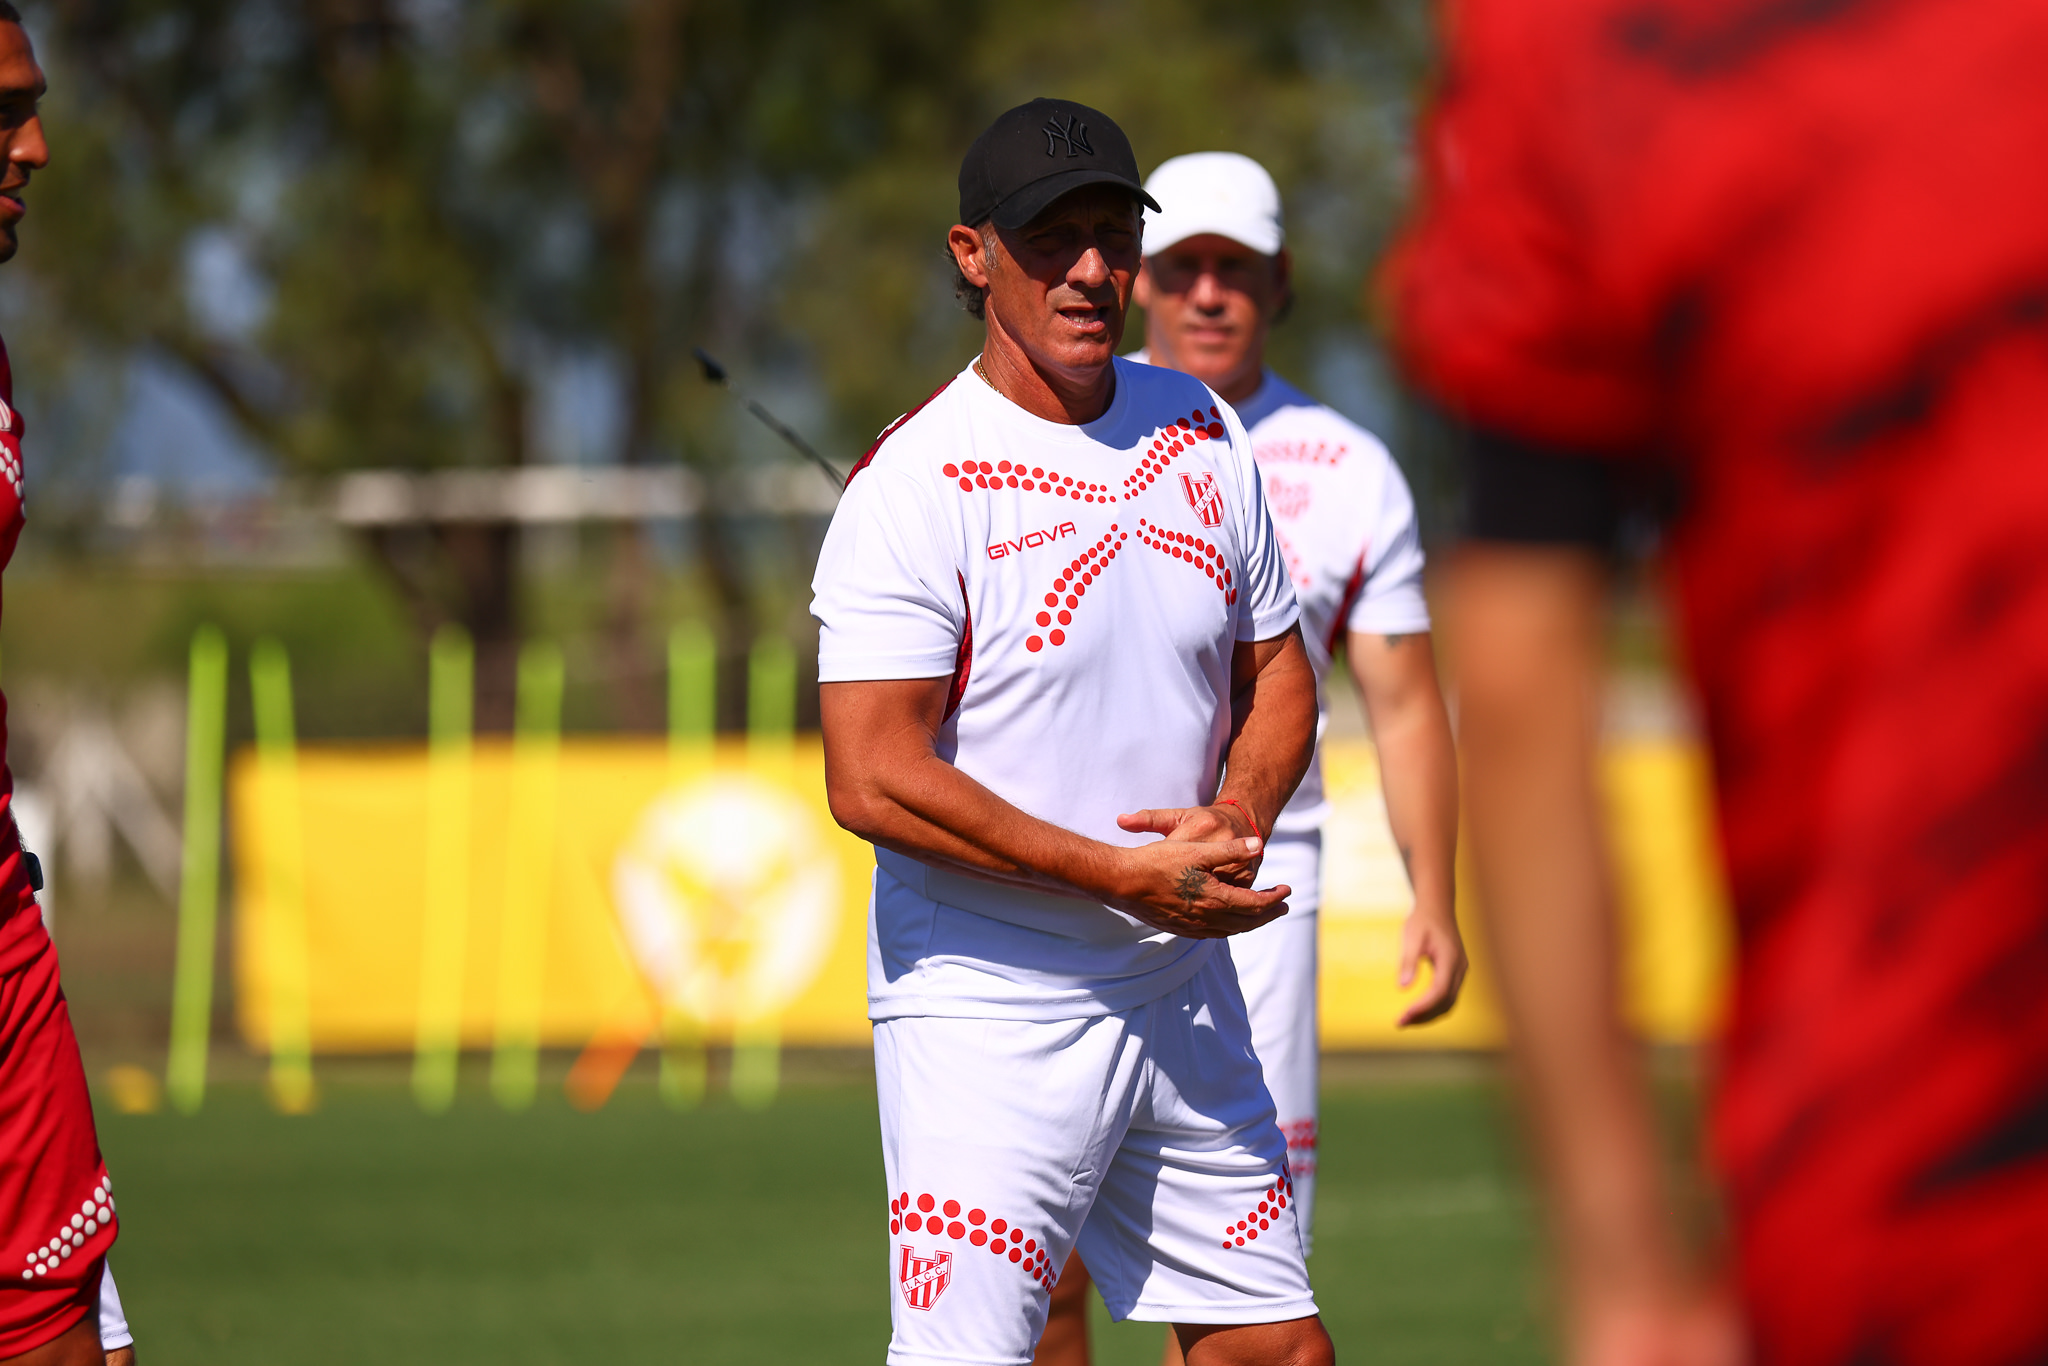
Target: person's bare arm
1272	739
1419	774
887	784
1528	626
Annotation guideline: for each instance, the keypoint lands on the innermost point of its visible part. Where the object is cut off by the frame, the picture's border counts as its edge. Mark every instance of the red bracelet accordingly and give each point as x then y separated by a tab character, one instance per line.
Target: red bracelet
1232	801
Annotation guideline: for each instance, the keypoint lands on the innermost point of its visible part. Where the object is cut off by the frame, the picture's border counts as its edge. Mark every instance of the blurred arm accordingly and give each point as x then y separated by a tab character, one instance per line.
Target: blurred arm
1528	626
1396	676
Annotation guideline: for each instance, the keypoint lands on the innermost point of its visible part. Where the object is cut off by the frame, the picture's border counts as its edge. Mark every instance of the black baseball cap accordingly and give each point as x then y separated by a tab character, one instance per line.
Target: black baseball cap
1037	152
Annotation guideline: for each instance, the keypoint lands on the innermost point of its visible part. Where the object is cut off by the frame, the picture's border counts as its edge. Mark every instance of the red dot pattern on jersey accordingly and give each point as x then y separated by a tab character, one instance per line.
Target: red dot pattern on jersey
1071	585
913	1222
1270	1205
952	1209
1203	555
973	474
925	1203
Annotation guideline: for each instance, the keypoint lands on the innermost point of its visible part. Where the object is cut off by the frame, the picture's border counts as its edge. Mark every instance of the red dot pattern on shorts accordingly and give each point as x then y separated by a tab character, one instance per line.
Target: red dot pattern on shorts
976	1229
1203	555
76	1228
1247	1229
980	474
1072	585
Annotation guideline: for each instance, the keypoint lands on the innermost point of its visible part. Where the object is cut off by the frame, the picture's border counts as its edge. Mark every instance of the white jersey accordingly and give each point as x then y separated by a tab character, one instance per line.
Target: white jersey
1083	587
1346	524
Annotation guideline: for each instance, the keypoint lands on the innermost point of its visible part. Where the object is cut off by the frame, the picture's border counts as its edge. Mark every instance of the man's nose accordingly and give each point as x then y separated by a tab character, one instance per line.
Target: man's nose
1207	292
1091	271
29	147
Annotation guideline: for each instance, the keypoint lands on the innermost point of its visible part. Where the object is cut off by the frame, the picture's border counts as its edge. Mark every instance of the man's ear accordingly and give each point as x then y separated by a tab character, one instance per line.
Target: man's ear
1283	282
970	253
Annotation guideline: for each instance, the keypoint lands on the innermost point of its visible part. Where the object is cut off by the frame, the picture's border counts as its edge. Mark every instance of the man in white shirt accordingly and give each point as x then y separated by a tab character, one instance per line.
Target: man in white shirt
1051	604
1214	280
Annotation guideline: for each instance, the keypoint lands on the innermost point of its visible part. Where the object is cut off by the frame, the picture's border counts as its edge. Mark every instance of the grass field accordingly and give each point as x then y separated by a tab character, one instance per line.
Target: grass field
368	1232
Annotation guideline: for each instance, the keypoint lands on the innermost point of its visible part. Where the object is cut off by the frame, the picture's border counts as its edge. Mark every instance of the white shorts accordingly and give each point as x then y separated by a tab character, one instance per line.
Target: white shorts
1146	1137
1276	966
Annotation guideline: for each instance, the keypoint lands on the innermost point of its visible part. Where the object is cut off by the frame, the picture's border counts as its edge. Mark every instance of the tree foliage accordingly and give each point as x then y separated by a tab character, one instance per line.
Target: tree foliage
379	230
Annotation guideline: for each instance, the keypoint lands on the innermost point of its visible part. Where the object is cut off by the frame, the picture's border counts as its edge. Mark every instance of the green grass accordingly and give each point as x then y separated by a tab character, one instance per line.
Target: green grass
369	1232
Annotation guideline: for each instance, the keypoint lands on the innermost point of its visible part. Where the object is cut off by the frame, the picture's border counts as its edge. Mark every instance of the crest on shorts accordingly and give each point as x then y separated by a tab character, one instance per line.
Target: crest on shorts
1204	497
924	1279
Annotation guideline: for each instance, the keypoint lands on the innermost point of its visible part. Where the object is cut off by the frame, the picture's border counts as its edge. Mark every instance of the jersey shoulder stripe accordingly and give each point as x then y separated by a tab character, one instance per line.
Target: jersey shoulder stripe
868	456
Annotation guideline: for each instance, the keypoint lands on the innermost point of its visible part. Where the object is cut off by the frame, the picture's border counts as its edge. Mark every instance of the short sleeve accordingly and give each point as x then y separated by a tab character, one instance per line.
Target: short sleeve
1391	601
887	593
1266	606
1519	298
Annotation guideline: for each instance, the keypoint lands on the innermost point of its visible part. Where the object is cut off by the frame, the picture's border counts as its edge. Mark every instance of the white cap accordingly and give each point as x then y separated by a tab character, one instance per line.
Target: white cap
1219	192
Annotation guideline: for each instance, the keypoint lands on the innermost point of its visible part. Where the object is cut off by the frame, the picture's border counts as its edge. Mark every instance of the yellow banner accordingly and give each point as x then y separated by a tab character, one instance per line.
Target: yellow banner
715	888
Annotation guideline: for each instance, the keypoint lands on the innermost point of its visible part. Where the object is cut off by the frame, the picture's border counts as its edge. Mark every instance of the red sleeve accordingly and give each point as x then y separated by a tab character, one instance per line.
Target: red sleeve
1508	293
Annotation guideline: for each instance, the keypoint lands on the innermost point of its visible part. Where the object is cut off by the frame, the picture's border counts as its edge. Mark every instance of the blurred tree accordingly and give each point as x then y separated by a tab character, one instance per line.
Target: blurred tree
1319	92
380	231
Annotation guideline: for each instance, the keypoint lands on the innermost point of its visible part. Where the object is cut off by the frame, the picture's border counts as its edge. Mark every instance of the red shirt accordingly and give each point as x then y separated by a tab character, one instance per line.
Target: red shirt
1799	248
20	923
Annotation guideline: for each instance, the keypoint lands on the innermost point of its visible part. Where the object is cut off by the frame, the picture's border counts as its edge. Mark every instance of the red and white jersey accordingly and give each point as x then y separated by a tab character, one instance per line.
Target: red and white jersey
17	937
1346	524
1084	588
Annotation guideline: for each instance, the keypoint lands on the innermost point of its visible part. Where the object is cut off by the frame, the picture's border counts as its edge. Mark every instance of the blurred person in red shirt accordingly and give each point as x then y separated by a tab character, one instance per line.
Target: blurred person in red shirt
57	1215
1789	258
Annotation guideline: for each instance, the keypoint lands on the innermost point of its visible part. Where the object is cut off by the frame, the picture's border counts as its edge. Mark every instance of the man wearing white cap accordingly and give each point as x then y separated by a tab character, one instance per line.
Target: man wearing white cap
1214	280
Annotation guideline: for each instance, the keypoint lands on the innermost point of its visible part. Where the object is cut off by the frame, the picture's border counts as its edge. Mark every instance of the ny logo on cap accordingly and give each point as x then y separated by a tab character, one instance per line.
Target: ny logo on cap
1075	135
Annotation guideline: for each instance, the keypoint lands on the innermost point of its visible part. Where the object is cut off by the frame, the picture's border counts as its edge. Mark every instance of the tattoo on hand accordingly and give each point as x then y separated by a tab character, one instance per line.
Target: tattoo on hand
1190	885
1394	642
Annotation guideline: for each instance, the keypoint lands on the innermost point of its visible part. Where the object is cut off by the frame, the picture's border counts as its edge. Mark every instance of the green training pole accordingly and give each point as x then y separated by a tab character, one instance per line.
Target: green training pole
284	878
692	690
756	1064
771	693
529	875
206	716
771	731
444	933
692	727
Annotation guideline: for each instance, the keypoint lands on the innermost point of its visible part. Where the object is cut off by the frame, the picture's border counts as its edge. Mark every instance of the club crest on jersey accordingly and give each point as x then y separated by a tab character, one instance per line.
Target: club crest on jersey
924	1279
1204	497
